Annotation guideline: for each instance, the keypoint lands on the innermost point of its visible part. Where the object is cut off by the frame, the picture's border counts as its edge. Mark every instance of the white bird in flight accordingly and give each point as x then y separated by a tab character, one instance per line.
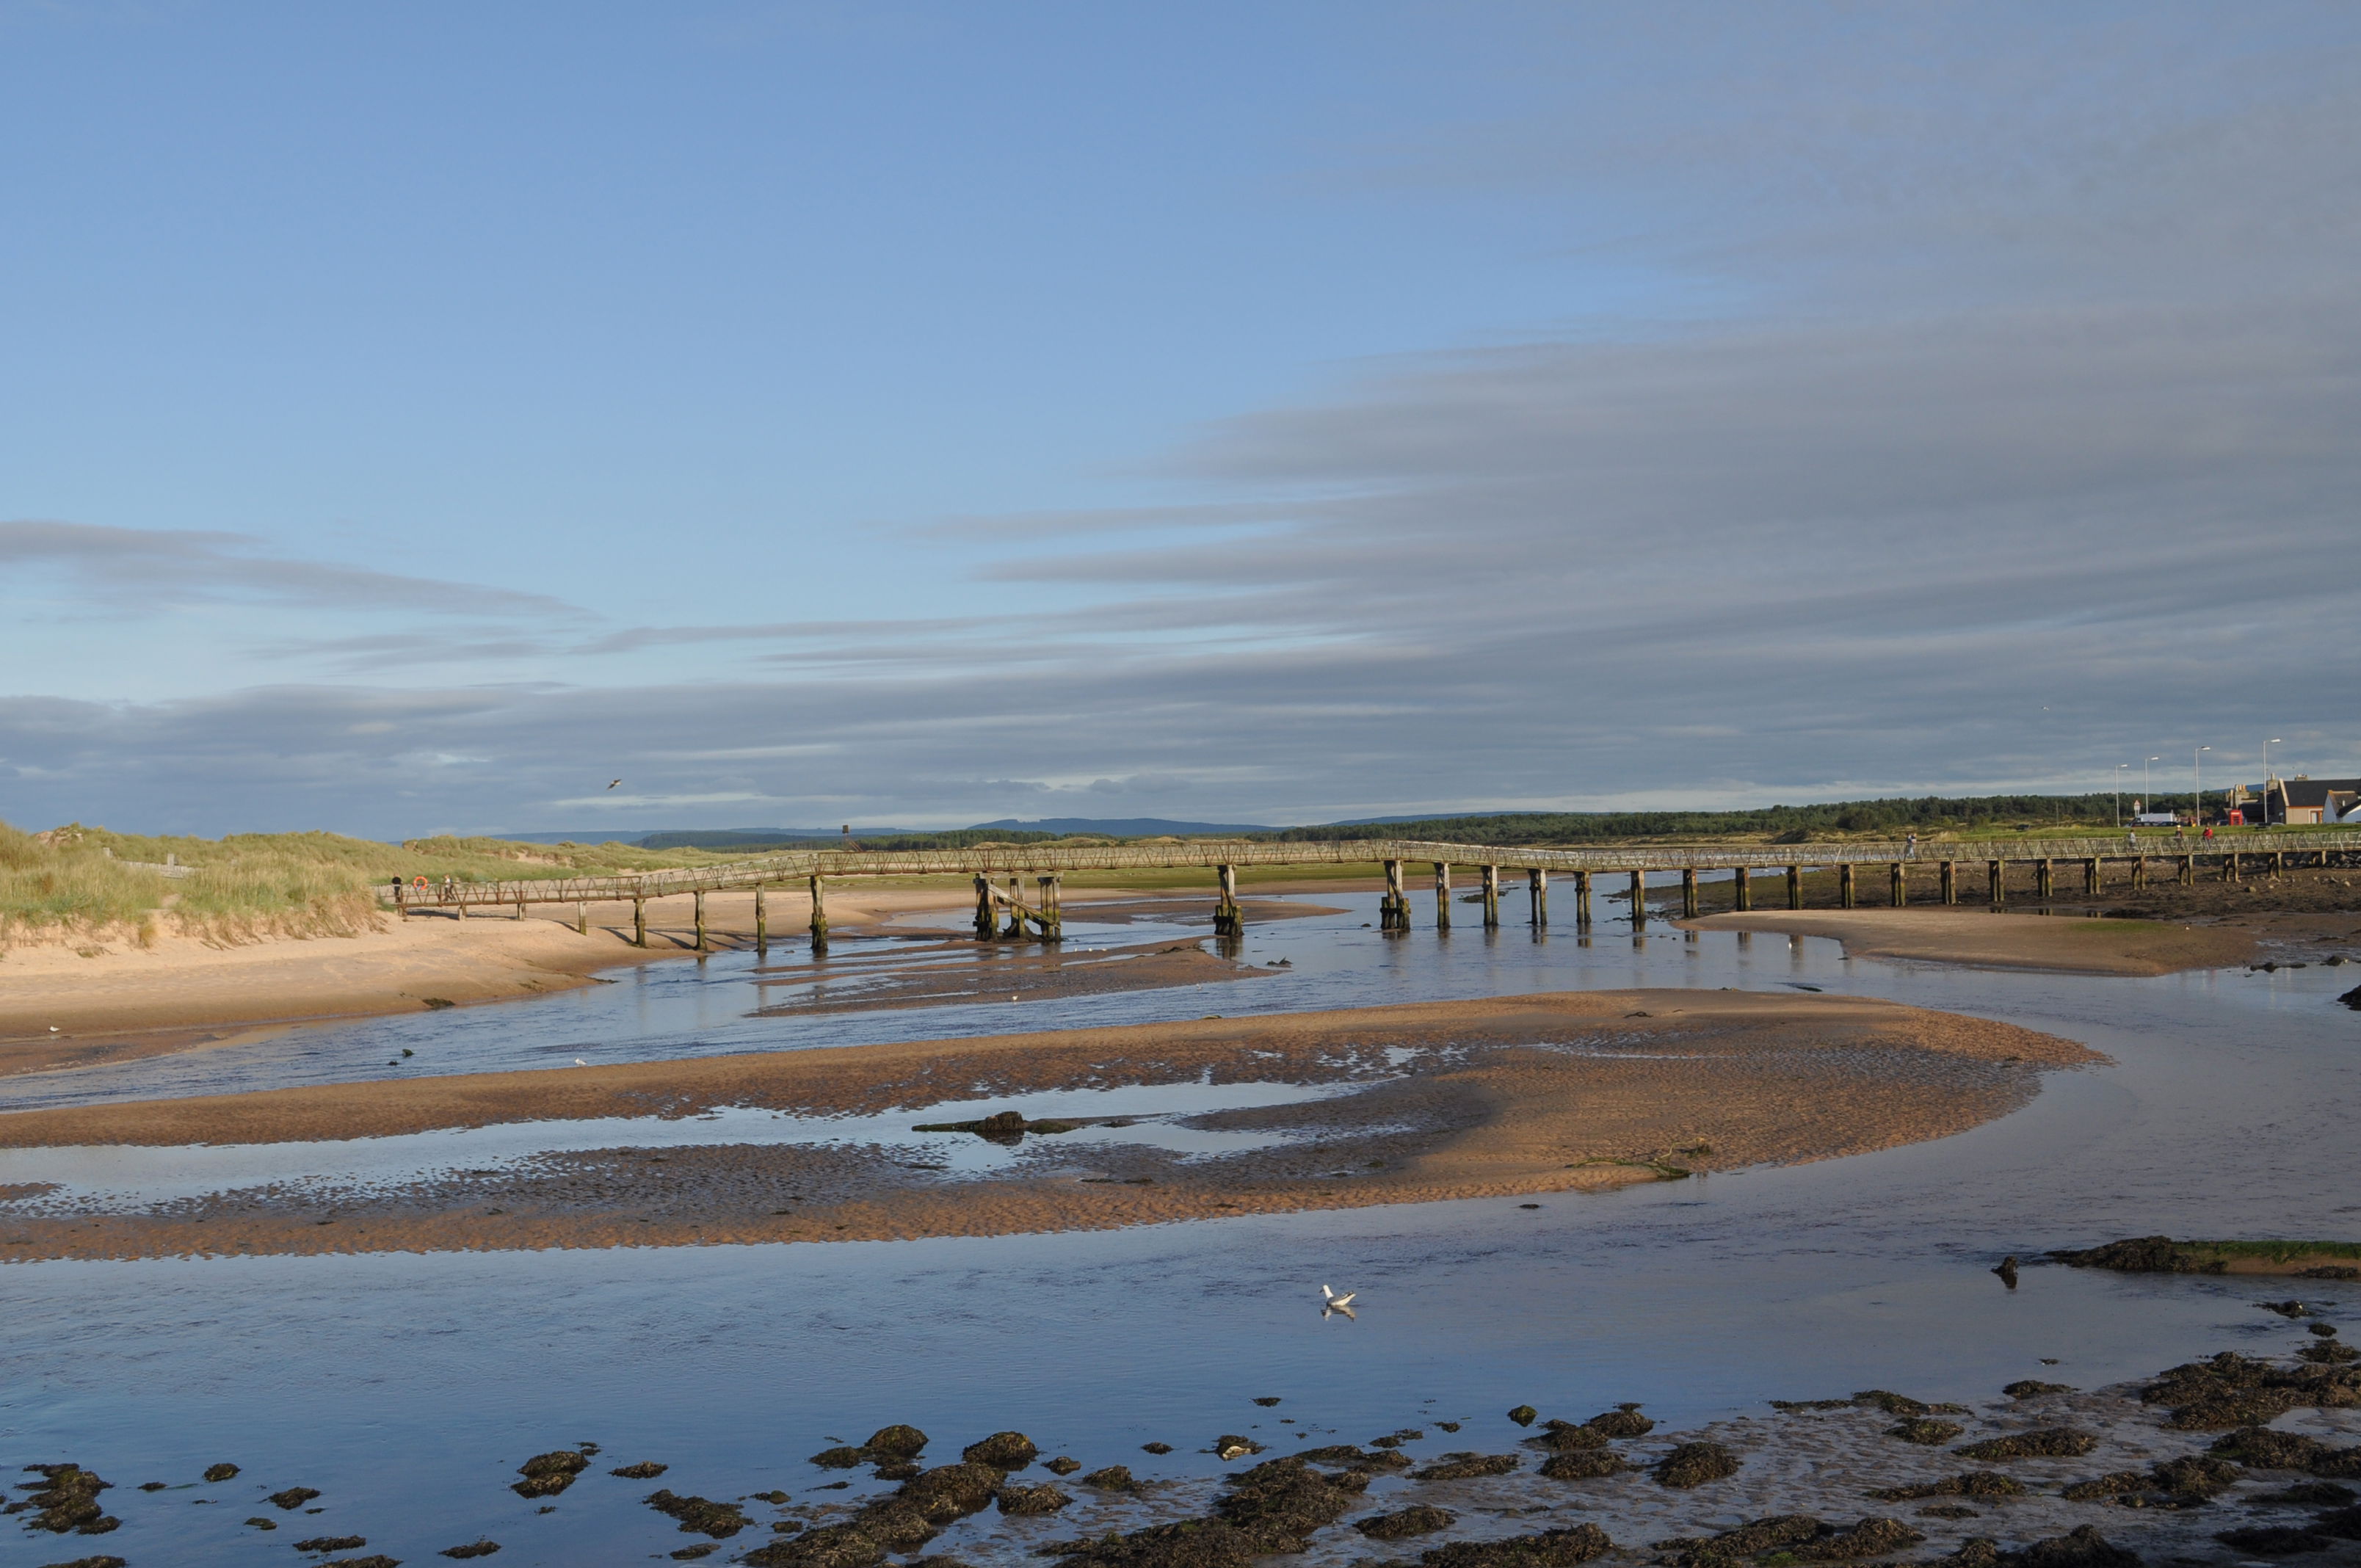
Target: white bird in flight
612	785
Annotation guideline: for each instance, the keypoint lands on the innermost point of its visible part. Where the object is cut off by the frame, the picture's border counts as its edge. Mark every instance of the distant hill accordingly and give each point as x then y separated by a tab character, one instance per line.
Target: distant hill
1114	827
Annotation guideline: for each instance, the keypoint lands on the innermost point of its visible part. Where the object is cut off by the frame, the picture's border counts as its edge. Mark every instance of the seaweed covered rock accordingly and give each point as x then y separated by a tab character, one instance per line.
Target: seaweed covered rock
1403	1523
1235	1445
66	1498
2195	1475
1524	1415
898	1440
1565	1437
332	1544
951	1492
221	1471
1186	1544
1061	1465
1280	1502
1966	1483
1001	1450
2311	1495
293	1497
93	1562
2083	1548
2044	1442
1583	1464
2274	1540
2260	1448
546	1474
1357	1458
699	1516
2344	1524
1870	1538
847	1456
1891	1403
479	1547
374	1559
1776	1533
1113	1478
1467	1468
1926	1430
1043	1499
2328	1353
2034	1388
645	1470
2142	1255
1623	1421
2100	1488
1550	1549
1695	1464
829	1546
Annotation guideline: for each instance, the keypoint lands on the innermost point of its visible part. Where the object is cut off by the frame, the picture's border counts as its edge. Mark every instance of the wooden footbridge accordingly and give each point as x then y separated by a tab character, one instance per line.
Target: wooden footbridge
1951	863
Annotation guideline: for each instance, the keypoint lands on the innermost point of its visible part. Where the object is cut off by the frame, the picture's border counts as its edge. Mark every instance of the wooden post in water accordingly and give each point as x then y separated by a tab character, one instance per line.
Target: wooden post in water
819	915
1393	909
1996	882
1581	900
1053	920
2139	870
2279	861
762	922
2044	883
1443	895
1016	929
1794	887
582	919
519	907
1491	898
1951	882
699	897
987	923
2230	866
1537	894
1899	894
2091	876
639	922
1742	889
1844	886
1688	892
1228	921
1639	900
2189	870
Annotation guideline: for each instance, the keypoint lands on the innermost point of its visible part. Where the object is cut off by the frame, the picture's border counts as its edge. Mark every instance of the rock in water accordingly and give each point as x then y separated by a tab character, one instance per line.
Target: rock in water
1695	1464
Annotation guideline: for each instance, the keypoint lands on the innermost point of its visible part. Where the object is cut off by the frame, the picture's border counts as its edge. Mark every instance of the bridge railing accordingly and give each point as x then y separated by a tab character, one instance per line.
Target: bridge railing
1043	859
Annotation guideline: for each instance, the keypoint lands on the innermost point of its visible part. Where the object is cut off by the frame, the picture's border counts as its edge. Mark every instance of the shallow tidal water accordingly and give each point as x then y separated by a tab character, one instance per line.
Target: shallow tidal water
407	1388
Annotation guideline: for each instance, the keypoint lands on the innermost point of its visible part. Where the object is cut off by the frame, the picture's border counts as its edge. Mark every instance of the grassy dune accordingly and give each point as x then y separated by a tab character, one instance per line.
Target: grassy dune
75	880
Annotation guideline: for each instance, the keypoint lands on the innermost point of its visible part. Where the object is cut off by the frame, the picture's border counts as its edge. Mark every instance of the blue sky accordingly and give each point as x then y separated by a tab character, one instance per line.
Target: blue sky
415	417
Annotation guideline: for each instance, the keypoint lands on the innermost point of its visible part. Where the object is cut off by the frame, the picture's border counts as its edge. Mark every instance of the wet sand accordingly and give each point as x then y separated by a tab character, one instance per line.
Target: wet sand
1519	1095
1979	938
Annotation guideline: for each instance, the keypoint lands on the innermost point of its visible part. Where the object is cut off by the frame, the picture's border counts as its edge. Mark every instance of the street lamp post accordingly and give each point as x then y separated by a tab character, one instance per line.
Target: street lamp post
2197	767
2147	801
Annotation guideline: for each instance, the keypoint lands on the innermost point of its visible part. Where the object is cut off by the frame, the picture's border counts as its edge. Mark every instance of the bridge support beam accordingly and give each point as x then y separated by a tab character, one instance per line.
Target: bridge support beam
1639	900
2230	866
1226	919
1491	898
1393	909
819	915
762	923
1742	889
639	922
987	925
1441	895
520	908
1537	895
1898	892
1016	931
699	897
1582	901
1688	892
2189	870
2139	871
2043	880
2091	876
1794	887
1996	882
1052	919
1844	886
581	919
1950	882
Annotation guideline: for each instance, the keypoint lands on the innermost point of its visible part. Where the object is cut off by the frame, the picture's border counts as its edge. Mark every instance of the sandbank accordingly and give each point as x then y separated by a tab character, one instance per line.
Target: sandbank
1523	1095
1982	939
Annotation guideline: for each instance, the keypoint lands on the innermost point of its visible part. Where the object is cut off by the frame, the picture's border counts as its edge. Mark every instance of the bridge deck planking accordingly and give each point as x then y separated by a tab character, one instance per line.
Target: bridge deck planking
987	860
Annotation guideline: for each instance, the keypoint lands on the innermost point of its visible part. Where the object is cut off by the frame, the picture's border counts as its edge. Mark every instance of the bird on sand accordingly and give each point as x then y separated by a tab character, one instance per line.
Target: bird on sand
1330	1300
612	785
580	1062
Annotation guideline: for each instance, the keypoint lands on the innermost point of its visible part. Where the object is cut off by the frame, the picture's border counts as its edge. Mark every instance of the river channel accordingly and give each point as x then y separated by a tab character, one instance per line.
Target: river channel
407	1387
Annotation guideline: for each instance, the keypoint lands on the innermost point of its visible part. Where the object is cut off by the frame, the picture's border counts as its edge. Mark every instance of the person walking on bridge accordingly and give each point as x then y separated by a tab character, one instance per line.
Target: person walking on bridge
1910	845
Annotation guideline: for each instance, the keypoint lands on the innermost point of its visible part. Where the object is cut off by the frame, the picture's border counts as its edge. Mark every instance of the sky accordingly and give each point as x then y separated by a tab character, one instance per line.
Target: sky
414	418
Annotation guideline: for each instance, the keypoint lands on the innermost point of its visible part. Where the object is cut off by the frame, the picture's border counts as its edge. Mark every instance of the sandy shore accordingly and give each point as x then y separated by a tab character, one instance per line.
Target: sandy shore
1978	936
1522	1095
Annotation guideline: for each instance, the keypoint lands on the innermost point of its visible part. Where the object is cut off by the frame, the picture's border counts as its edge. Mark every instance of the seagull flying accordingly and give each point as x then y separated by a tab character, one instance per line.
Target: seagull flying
612	785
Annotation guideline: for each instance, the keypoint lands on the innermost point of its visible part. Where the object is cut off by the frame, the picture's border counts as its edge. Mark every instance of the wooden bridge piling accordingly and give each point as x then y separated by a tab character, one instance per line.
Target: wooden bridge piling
699	898
2044	883
819	915
1582	901
1794	887
1688	892
1441	895
1052	919
1844	886
1949	881
1639	900
581	919
1996	882
762	922
1537	897
1491	898
639	922
1898	891
1393	909
988	923
1227	920
1741	890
